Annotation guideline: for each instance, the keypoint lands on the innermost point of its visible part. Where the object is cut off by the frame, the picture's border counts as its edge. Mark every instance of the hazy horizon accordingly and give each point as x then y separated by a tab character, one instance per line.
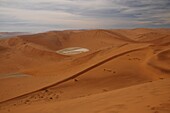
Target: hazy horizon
46	15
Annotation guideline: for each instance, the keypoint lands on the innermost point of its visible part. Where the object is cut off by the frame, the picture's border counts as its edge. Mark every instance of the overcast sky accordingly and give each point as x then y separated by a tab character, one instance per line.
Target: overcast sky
45	15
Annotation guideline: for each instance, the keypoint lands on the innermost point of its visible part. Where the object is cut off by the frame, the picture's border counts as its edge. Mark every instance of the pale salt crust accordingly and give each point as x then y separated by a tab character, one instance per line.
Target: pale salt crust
72	51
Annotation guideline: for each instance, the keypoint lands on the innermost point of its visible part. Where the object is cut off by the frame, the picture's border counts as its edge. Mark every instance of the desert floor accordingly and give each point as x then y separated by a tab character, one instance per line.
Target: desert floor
86	71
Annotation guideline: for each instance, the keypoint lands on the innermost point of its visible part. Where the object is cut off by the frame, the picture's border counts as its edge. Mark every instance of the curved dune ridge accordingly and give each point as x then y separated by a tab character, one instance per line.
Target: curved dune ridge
161	61
94	71
165	55
2	48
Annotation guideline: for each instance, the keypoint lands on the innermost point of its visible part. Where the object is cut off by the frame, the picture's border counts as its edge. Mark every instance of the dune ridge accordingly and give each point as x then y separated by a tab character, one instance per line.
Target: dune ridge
81	72
117	61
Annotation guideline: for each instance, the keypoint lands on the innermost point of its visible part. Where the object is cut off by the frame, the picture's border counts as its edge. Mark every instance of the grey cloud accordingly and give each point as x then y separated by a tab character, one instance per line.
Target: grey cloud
153	13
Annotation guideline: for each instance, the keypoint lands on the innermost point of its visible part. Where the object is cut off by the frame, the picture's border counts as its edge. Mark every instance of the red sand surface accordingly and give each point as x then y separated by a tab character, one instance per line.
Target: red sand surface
125	71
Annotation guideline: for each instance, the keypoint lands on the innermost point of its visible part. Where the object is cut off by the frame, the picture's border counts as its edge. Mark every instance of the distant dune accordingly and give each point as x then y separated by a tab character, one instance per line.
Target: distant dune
11	34
121	71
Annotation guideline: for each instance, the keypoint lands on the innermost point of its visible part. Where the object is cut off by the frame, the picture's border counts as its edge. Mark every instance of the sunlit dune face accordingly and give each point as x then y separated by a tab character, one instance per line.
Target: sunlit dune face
86	71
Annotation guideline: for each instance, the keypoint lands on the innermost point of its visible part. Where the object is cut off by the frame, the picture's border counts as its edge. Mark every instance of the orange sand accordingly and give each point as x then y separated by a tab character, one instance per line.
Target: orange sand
125	71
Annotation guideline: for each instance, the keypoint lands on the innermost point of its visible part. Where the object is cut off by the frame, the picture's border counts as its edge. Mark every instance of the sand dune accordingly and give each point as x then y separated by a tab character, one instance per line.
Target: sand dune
121	71
11	34
145	98
161	61
2	48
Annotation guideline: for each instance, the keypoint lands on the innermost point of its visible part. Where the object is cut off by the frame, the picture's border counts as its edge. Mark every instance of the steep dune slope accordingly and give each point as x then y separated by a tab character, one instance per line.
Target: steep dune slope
20	54
44	46
117	62
51	40
146	98
161	61
2	48
92	39
145	35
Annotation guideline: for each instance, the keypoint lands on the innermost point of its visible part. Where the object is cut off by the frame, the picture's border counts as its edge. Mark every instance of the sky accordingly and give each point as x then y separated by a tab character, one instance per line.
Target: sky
46	15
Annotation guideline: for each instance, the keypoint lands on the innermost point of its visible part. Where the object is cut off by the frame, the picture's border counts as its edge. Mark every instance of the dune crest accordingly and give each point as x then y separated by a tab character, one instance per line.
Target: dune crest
86	71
